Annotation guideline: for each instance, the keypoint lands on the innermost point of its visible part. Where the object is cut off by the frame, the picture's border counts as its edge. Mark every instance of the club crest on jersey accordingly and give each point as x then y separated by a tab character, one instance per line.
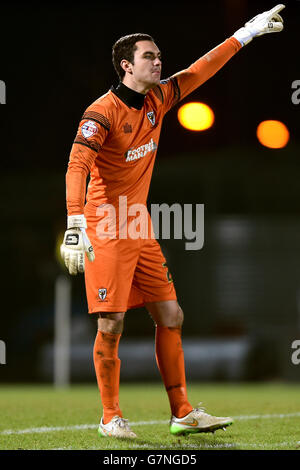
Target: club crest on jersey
102	293
151	117
88	129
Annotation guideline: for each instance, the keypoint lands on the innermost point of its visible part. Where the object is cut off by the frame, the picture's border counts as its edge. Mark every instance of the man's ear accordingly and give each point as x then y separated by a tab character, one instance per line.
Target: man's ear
126	66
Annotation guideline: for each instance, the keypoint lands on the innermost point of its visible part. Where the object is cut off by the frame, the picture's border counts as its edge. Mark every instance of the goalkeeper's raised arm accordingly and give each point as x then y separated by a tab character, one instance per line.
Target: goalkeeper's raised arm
200	71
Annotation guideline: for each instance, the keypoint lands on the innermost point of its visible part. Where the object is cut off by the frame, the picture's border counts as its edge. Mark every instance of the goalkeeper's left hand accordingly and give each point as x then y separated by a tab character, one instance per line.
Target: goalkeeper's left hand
267	22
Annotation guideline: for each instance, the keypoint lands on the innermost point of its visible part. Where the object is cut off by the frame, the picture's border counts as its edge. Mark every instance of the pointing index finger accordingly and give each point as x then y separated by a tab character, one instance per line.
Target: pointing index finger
277	9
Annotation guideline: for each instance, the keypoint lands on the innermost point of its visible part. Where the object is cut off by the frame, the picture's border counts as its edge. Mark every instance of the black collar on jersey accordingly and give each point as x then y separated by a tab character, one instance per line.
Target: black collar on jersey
132	98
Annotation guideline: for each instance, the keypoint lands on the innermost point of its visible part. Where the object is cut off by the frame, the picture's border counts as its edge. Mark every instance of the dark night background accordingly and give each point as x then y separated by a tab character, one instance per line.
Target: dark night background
245	282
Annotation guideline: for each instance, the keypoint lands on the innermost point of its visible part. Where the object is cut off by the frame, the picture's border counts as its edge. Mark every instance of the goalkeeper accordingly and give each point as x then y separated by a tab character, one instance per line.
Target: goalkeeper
116	144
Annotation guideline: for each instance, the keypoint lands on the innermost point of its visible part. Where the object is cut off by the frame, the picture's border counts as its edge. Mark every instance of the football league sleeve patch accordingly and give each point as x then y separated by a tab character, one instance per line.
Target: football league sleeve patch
92	131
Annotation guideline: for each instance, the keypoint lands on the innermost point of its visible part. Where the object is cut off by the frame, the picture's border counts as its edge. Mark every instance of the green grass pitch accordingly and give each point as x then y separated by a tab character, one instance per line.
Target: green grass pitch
267	417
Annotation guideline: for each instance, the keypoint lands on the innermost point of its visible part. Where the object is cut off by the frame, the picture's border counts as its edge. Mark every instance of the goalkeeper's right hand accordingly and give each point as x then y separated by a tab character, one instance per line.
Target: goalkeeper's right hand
267	22
76	243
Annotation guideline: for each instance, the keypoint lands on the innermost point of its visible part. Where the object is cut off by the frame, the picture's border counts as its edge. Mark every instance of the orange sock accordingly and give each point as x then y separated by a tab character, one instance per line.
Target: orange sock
107	368
170	361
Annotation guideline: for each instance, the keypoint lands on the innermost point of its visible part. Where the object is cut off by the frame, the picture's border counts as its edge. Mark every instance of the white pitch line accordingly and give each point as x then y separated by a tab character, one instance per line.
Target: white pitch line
80	427
76	427
269	416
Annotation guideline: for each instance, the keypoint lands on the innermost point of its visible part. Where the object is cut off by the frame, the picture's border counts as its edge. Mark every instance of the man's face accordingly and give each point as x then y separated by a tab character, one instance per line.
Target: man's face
146	67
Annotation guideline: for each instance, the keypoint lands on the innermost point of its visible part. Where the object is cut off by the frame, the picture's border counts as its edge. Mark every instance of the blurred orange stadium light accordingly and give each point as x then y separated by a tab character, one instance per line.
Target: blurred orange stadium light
196	116
273	134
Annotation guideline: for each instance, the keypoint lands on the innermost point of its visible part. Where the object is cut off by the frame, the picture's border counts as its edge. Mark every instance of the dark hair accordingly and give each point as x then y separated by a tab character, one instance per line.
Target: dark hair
124	48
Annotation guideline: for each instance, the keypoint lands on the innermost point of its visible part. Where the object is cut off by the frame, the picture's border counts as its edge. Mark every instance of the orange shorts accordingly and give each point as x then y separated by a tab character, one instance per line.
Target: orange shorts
126	273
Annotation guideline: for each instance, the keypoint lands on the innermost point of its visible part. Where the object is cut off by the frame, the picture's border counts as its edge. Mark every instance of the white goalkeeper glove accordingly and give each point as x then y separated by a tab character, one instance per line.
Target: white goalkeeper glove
267	22
76	243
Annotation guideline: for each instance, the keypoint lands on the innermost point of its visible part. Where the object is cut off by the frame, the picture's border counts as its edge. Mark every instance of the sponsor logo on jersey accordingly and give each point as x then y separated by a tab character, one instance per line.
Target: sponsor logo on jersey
151	117
88	129
140	152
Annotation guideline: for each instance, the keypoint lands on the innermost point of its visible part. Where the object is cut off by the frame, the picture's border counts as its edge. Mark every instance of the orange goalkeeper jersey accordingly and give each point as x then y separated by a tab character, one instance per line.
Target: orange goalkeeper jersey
117	143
